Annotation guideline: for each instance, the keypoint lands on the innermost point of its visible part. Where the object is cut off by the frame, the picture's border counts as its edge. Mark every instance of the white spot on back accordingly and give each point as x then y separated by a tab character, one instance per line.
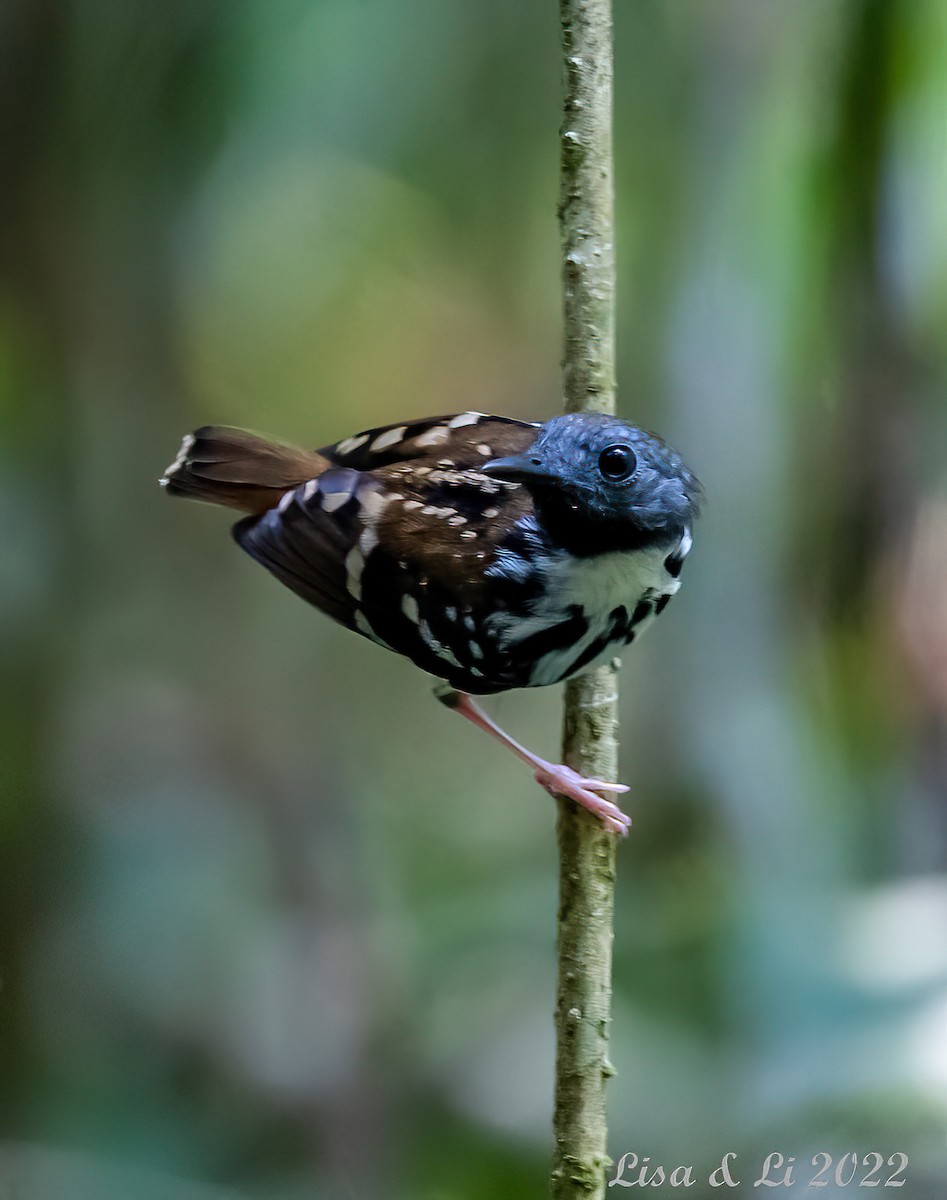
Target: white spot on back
390	437
437	433
467	418
350	444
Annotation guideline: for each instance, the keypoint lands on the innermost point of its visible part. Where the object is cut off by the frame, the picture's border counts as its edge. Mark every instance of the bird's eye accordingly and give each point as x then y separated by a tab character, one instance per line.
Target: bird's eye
617	463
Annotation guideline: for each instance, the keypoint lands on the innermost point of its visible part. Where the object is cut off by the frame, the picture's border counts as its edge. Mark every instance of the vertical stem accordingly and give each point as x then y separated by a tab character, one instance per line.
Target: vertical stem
586	850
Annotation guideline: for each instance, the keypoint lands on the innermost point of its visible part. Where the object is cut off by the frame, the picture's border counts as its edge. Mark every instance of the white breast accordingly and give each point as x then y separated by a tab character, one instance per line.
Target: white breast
597	585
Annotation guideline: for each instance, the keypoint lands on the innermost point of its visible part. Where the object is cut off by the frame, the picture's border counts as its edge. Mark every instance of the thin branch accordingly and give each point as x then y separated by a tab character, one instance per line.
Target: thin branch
586	850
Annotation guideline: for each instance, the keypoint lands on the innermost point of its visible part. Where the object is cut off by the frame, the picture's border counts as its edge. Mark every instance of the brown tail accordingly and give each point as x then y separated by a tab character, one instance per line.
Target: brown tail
240	470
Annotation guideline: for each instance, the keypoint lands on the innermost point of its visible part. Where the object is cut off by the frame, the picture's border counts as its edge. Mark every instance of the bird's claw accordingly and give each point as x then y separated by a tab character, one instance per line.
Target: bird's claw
560	780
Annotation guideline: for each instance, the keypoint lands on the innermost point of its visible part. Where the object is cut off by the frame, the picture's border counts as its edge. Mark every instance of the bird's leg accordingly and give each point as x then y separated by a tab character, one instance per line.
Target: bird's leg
557	779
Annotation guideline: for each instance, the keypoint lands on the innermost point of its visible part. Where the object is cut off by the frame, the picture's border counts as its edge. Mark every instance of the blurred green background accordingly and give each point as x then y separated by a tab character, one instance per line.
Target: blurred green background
274	923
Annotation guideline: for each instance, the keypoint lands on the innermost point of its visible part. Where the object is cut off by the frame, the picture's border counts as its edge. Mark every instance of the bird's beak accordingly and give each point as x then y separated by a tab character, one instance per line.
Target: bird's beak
518	468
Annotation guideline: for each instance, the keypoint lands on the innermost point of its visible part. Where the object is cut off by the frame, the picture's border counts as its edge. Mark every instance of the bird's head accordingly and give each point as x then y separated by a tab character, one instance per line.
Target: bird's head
600	483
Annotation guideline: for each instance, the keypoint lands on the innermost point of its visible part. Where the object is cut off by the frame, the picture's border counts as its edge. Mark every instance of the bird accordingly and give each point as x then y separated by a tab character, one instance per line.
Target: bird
492	552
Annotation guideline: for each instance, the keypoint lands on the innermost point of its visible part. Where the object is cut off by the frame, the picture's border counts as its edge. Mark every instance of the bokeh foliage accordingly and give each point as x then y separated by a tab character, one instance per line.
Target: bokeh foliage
273	923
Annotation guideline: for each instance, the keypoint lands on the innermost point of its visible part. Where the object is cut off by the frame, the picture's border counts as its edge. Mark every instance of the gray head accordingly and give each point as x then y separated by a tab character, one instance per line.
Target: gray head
600	484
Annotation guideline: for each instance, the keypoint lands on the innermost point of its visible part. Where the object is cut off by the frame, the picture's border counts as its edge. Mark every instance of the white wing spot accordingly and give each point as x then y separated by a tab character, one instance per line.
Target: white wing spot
441	651
437	433
350	444
467	418
467	534
413	504
286	501
485	450
390	437
354	565
310	489
409	606
374	503
368	541
362	625
458	520
333	500
490	513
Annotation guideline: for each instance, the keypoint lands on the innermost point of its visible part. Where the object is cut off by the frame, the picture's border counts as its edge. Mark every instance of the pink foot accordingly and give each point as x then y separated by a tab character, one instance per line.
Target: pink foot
560	780
557	780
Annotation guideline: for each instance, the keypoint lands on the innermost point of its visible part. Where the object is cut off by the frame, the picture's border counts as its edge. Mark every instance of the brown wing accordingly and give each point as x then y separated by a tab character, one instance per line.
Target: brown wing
399	551
459	437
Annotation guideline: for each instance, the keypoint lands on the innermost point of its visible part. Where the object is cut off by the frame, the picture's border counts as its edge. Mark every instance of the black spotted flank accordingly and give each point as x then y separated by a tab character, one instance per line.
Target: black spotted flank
662	604
591	653
642	610
618	631
555	637
673	564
